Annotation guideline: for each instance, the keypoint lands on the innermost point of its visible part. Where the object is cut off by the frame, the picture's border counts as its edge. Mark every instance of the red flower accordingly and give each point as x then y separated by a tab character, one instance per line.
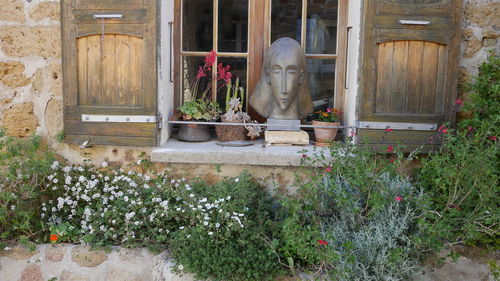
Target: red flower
353	134
304	156
443	129
201	73
389	130
390	148
54	237
398	198
322	242
469	129
328	169
459	102
210	58
392	160
493	138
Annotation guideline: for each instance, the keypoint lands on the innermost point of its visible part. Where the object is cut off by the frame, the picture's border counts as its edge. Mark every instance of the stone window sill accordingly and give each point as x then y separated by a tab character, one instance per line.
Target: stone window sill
209	152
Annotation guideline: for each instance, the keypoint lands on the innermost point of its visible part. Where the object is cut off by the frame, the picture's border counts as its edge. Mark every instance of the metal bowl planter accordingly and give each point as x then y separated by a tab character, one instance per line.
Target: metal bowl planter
230	133
325	136
194	132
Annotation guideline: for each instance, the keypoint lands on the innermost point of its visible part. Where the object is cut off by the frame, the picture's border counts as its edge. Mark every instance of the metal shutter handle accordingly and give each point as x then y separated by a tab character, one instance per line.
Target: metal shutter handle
108	16
414	22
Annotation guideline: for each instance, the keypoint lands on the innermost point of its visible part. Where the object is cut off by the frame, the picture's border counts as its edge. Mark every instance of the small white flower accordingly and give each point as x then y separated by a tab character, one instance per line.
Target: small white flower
210	233
205	223
191	195
217	225
55	181
13	207
236	179
104	164
181	267
7	248
181	228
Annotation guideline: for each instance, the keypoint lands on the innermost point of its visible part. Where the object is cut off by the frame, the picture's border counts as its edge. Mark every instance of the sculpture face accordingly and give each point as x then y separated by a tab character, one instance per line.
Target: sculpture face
282	92
285	77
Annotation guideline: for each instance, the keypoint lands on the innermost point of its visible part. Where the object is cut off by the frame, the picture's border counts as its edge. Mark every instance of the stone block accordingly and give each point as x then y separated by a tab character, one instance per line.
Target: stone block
43	10
54	117
489	43
286	137
72	276
54	77
12	10
55	253
32	273
24	41
83	256
123	275
18	253
483	14
19	120
12	74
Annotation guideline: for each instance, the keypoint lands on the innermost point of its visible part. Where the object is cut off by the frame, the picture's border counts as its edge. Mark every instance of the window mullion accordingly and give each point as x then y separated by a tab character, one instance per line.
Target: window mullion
304	25
214	47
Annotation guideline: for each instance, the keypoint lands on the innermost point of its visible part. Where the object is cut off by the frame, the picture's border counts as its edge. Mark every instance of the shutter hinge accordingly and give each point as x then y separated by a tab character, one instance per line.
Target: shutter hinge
160	121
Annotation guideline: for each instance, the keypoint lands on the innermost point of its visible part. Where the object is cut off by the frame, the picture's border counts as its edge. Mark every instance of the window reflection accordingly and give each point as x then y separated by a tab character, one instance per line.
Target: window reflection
321	26
197	25
321	79
233	26
286	19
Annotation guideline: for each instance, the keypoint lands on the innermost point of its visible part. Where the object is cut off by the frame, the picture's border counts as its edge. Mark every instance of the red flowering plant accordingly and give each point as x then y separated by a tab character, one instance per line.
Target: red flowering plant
329	115
199	104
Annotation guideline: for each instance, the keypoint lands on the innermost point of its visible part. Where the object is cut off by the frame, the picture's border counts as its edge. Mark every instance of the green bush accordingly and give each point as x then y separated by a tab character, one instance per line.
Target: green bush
227	232
24	164
462	179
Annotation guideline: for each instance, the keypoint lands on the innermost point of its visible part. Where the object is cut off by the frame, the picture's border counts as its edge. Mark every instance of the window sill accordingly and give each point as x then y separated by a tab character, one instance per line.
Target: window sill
209	152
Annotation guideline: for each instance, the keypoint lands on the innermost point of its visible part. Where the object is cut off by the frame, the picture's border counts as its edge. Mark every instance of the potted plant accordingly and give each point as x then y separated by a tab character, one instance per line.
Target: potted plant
234	114
199	105
254	130
329	117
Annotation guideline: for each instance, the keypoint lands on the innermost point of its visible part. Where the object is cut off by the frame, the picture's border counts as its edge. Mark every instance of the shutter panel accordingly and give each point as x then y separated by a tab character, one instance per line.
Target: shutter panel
109	67
409	70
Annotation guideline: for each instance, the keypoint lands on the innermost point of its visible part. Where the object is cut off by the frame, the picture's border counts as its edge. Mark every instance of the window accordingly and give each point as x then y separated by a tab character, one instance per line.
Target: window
241	30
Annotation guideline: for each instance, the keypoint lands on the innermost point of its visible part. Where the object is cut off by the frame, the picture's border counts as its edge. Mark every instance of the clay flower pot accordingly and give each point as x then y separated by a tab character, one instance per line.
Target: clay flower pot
324	136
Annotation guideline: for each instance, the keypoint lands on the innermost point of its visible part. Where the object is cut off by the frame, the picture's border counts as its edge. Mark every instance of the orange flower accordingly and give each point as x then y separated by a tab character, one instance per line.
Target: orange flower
325	114
54	238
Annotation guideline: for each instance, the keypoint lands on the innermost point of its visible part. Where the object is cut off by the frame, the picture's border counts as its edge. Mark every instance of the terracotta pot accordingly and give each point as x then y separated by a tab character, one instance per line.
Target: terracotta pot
194	132
325	135
230	133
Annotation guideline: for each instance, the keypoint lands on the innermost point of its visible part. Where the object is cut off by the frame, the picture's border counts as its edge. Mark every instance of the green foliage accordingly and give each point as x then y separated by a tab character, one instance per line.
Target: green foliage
199	110
462	179
366	214
226	232
24	163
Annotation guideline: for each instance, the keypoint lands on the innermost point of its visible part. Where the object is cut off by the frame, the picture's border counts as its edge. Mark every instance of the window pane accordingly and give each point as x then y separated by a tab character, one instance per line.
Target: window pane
286	17
238	69
321	78
197	25
321	26
190	66
233	26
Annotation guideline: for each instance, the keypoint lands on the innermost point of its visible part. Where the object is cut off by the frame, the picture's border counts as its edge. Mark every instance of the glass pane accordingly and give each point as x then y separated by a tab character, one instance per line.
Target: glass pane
190	68
321	26
238	69
286	19
321	78
197	25
233	26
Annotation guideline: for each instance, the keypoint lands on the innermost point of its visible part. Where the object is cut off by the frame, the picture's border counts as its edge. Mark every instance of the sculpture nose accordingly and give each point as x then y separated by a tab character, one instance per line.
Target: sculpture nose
283	84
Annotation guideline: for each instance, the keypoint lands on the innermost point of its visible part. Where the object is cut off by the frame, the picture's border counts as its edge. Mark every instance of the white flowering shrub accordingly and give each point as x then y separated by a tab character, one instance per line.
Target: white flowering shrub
227	233
110	207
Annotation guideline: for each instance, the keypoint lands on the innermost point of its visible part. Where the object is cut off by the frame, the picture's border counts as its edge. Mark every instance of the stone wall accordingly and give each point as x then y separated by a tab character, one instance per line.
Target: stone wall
63	262
31	80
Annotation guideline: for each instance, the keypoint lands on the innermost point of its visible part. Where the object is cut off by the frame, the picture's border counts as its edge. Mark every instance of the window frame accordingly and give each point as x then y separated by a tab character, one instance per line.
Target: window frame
259	37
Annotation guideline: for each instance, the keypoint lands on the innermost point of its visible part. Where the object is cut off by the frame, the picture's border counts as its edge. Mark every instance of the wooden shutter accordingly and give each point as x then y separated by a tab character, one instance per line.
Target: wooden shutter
409	70
109	66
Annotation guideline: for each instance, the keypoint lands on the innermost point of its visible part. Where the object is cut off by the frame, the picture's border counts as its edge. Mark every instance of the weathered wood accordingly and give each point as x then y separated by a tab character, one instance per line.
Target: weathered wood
108	4
414	87
76	127
112	73
136	30
424	61
429	73
110	140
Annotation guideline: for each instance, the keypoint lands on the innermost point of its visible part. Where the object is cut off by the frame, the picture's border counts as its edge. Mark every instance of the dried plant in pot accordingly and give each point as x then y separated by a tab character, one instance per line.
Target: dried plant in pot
329	117
254	130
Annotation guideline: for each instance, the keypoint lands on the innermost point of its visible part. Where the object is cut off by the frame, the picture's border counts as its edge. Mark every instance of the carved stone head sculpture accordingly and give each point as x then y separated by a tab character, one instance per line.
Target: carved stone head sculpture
282	91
